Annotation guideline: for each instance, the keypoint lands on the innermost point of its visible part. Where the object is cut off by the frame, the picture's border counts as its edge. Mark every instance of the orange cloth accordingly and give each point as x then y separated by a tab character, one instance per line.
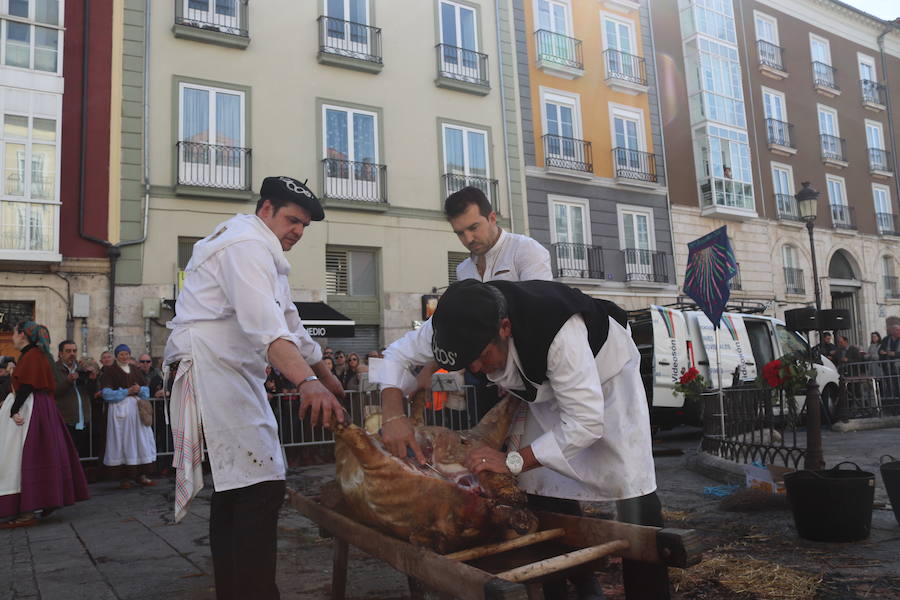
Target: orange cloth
439	398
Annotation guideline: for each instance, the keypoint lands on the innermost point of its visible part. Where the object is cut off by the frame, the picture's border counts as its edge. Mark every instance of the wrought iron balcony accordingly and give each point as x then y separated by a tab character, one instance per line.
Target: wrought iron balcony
556	49
213	166
891	286
352	180
887	224
833	147
824	75
625	66
794	282
786	207
770	54
842	216
634	165
568	153
461	64
780	133
735	284
453	182
646	265
577	260
221	16
873	92
880	160
350	40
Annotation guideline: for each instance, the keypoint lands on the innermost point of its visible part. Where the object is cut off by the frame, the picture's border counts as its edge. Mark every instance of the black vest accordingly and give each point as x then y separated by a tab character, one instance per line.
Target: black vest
539	309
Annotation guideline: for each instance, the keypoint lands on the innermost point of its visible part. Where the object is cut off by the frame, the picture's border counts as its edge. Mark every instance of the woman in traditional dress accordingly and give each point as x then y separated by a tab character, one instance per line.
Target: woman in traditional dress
129	443
39	469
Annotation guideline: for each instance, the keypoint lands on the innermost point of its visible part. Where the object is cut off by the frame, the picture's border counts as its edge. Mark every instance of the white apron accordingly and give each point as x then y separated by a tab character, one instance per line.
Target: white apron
12	443
128	441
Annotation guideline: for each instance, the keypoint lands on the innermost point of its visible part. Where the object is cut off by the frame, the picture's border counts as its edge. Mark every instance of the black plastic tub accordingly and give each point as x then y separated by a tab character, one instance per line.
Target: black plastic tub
833	505
890	475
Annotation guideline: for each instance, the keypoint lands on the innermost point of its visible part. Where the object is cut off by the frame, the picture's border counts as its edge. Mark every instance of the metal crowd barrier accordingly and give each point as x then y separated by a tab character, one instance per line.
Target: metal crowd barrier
872	389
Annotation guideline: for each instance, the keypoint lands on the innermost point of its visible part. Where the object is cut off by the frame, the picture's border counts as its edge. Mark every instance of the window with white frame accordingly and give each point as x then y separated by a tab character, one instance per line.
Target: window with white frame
714	18
782	183
884	212
830	134
347	26
837	198
561	113
766	27
466	160
619	46
555	16
555	40
350	152
726	178
820	51
778	129
224	15
793	275
878	157
459	36
629	146
720	81
891	287
637	239
211	137
867	68
32	32
29	204
570	234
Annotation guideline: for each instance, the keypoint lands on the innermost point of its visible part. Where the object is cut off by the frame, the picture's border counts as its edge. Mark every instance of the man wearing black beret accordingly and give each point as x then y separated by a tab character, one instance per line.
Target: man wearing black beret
586	436
235	316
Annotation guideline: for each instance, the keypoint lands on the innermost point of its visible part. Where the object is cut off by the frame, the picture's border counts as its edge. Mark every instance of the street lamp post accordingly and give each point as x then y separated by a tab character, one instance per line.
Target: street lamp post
808	204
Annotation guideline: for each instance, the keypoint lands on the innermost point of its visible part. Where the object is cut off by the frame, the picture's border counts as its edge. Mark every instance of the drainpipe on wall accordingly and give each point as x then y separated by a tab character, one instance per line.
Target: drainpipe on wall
113	250
887	100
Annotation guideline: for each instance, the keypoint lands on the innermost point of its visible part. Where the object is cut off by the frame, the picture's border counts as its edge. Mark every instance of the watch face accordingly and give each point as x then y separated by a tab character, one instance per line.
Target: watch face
514	462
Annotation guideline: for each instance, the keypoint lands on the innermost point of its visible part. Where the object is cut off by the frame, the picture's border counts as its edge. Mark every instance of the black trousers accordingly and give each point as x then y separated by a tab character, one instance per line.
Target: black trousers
243	526
642	581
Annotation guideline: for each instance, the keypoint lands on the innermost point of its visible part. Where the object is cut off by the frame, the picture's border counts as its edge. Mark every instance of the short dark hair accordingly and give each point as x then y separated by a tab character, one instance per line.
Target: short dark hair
64	342
458	202
277	203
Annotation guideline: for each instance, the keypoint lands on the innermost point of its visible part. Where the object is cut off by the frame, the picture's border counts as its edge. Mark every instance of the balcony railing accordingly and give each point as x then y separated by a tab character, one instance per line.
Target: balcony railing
770	54
646	265
222	16
577	260
461	64
887	224
880	160
833	147
212	166
873	92
786	207
453	182
351	180
346	38
634	164
824	75
780	133
891	286
725	192
568	153
793	281
558	49
842	216
735	284
624	66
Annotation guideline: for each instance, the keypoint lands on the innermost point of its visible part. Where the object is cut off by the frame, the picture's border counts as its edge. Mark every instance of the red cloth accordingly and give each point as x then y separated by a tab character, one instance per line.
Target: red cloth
34	369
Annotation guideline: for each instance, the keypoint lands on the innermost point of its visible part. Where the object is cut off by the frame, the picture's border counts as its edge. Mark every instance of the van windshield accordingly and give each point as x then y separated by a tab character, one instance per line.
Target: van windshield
791	342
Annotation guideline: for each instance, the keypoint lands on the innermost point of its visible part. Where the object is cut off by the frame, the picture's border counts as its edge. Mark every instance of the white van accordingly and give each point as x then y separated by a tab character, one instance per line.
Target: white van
673	339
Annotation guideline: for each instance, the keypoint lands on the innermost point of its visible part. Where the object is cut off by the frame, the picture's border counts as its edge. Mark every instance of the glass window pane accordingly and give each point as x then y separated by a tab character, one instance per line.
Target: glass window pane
40	227
195	116
336	140
43	171
201	5
577	224
562	223
544	14
18	8
228	120
362	273
453	150
364	138
448	24
15	126
13	225
358	11
628	227
226	8
46	49
43	130
47	11
335	9
18	37
14	169
477	156
467	28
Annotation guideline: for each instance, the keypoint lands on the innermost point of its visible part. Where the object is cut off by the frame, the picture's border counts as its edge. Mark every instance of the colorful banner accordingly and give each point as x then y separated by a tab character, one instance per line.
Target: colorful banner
734	348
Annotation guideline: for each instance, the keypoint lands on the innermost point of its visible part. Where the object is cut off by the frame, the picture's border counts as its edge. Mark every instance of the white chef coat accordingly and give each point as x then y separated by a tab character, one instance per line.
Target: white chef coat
589	425
513	258
235	302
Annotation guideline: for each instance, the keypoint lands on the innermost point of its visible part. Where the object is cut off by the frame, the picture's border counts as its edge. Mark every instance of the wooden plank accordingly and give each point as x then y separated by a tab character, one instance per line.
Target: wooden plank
339	570
563	561
643	546
433	570
518	542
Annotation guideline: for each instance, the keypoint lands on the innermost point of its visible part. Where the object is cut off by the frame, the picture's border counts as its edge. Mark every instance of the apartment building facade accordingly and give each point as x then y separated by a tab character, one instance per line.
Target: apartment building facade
595	178
760	96
54	195
385	107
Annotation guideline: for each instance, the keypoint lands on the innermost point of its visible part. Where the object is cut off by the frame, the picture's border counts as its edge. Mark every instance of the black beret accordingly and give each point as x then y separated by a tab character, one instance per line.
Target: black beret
291	190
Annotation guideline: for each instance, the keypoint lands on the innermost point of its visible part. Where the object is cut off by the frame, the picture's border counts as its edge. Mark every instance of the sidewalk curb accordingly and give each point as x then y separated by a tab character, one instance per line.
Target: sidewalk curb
866	424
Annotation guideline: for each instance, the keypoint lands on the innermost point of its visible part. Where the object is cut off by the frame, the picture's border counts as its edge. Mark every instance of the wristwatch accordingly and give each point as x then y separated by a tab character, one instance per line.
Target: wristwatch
514	462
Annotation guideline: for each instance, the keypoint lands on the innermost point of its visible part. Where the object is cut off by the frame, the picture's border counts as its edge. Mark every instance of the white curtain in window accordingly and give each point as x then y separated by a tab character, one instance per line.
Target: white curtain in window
453	150
477	155
195	116
228	119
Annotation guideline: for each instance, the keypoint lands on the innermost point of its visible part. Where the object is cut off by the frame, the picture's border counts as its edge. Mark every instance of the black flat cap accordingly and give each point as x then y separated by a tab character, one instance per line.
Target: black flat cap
291	190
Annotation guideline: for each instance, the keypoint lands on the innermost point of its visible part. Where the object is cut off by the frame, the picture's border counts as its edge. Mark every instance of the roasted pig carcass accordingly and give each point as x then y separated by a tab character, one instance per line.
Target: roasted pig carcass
440	505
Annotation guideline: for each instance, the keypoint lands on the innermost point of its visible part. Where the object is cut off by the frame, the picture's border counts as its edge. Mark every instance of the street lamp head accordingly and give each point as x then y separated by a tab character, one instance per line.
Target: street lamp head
807	202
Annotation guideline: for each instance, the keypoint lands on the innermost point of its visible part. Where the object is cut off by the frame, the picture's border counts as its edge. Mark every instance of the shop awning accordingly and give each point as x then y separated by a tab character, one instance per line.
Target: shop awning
321	320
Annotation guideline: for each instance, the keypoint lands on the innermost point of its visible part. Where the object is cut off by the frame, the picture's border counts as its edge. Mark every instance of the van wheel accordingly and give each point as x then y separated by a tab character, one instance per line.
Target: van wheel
830	400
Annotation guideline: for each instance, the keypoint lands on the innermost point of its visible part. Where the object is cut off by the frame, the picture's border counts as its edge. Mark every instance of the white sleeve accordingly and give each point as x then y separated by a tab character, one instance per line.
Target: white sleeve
578	391
533	261
249	280
310	350
412	349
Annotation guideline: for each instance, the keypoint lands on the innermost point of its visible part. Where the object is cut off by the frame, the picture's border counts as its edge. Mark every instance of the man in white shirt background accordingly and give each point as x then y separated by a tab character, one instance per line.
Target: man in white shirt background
235	316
